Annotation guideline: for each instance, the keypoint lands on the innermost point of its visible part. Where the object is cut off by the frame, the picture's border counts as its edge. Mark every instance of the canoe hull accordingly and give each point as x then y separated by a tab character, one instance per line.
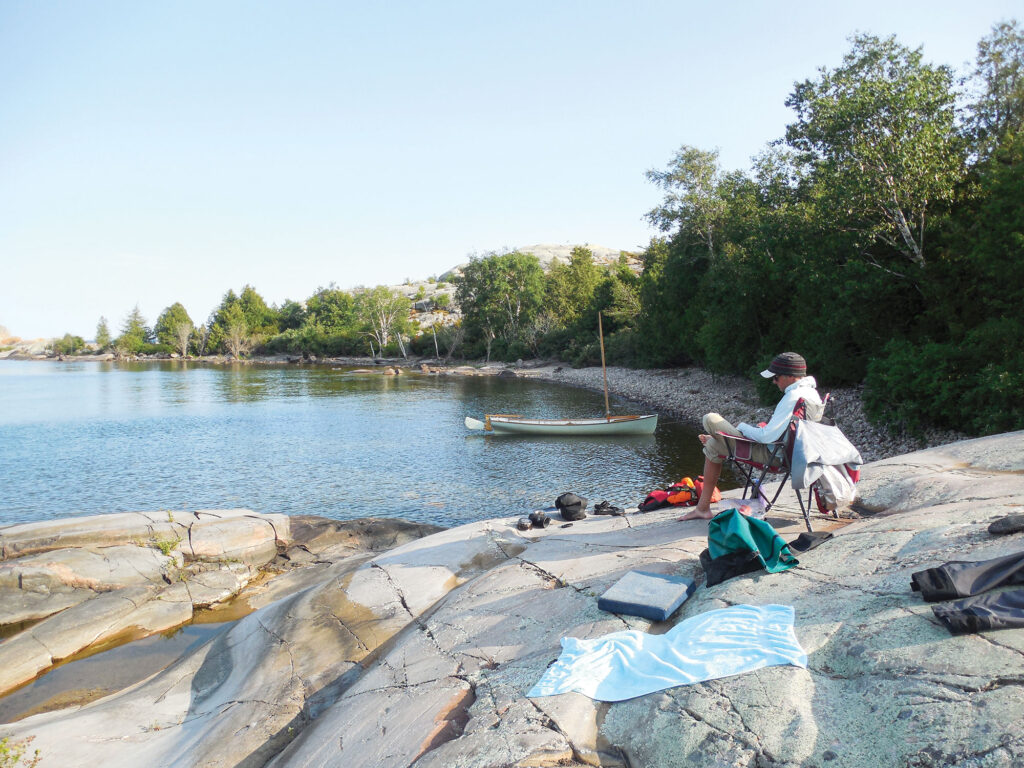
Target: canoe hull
615	425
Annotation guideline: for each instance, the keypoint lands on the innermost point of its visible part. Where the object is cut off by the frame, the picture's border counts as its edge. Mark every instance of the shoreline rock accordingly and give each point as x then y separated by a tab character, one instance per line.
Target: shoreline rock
81	582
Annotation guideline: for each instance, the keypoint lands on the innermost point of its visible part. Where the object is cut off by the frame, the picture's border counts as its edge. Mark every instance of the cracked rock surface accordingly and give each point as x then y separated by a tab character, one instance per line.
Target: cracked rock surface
422	654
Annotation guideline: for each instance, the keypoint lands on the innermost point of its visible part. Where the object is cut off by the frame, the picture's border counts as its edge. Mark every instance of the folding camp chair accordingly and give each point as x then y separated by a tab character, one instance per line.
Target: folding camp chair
779	460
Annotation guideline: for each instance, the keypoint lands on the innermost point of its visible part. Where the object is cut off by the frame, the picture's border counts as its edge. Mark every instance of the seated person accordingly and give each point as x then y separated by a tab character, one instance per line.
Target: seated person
789	372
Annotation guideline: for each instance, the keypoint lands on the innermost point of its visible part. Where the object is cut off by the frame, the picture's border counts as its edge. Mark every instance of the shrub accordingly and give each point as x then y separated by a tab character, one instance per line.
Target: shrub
11	753
510	351
620	348
973	385
68	344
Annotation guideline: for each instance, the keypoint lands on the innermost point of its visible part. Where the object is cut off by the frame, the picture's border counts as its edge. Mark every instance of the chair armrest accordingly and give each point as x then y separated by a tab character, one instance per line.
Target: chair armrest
744	439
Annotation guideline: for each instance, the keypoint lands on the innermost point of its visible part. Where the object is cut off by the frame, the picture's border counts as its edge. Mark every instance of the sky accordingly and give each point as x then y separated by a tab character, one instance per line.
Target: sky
157	152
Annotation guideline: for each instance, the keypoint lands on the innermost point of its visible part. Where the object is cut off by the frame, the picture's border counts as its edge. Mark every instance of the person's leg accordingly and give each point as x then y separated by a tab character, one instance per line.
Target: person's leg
715	451
712	471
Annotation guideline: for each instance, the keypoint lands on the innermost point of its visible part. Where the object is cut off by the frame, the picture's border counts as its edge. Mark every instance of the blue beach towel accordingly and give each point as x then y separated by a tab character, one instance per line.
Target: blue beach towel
715	644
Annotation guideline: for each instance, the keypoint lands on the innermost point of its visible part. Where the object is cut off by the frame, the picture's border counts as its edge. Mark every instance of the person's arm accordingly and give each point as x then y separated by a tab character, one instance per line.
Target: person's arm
773	430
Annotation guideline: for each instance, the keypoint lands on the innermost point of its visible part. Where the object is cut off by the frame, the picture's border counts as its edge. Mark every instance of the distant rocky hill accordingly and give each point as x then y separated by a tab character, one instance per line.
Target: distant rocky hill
424	292
548	254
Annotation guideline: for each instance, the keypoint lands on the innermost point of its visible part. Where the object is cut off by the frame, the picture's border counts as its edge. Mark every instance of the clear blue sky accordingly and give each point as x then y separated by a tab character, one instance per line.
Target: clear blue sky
153	152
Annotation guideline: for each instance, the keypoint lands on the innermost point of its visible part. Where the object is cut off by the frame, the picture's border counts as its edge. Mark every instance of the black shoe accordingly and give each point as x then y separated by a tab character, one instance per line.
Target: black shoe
1008	524
604	508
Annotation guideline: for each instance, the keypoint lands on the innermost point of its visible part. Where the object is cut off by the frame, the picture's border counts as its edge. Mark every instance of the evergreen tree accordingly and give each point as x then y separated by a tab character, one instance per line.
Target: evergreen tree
103	339
174	328
135	335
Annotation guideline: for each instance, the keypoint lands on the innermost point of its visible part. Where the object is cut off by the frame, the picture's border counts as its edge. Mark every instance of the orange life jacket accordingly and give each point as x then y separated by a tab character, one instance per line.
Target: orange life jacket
683	494
687	492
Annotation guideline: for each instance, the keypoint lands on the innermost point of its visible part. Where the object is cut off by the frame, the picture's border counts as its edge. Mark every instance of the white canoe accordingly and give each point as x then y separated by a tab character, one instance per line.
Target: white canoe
611	425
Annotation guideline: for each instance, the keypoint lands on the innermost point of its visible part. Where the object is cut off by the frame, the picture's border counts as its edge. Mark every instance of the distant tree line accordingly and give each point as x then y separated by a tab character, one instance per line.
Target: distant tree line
330	322
882	236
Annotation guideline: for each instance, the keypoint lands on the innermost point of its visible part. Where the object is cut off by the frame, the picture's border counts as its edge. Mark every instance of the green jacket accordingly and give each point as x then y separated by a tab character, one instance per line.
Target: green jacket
731	531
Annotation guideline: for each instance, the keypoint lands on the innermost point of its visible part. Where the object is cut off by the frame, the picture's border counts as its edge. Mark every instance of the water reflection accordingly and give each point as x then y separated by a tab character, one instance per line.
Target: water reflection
102	437
91	676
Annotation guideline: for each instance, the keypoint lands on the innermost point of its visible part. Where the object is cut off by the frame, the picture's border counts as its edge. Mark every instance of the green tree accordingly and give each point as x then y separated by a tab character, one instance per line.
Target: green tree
569	289
216	325
500	295
238	338
291	315
623	289
103	339
174	328
691	204
252	323
385	315
963	367
998	77
879	136
332	311
135	335
260	319
68	344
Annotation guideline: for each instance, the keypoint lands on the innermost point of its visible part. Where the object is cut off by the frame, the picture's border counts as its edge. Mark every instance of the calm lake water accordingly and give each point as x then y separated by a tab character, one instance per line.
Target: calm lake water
85	437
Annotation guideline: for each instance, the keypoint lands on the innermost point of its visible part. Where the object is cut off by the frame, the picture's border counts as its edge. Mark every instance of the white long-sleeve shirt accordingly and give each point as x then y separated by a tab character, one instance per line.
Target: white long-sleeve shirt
805	389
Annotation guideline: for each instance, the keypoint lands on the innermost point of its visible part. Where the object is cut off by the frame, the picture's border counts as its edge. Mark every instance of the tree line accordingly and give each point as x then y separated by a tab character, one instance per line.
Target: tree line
882	236
330	322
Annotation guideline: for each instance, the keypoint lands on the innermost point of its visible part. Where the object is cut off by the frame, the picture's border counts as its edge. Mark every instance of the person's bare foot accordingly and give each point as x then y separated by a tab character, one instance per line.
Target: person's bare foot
697	514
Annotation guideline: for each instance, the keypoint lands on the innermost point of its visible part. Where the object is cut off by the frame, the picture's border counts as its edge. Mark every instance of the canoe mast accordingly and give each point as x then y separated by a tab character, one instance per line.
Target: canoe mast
604	370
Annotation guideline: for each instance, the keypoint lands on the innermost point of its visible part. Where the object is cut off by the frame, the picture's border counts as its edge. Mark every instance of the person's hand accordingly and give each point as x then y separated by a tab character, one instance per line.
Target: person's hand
704	439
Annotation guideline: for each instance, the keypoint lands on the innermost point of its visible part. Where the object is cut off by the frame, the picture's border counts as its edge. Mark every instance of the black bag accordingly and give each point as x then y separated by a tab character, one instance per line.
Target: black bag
571	506
1000	610
966	579
729	566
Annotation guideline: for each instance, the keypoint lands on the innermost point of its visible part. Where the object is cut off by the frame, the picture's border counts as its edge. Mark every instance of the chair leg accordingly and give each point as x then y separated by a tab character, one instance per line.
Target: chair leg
759	484
748	477
778	491
805	508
